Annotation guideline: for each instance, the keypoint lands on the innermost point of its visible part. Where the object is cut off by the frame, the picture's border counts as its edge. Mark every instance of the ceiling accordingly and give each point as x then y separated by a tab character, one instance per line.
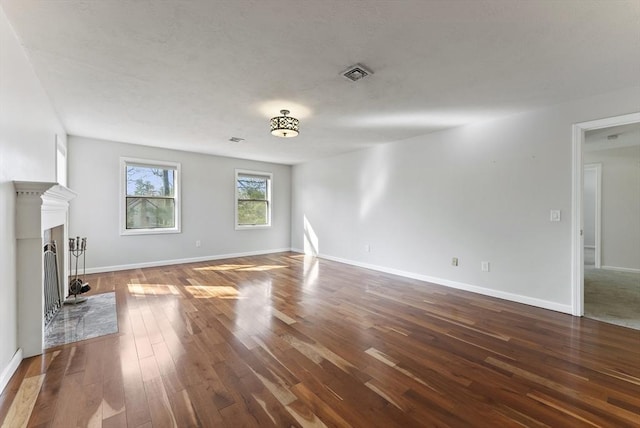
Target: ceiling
189	75
614	137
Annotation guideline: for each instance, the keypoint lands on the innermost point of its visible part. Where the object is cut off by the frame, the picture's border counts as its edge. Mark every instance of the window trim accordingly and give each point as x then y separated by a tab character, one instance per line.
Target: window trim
269	177
126	161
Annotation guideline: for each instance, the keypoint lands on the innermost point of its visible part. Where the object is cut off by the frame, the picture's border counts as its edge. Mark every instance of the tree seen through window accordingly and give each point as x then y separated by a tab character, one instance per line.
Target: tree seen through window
150	197
253	200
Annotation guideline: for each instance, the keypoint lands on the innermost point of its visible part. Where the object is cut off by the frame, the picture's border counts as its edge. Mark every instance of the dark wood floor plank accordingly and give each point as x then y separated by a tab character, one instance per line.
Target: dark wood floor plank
116	421
45	407
289	340
89	405
11	390
70	395
159	406
113	398
204	406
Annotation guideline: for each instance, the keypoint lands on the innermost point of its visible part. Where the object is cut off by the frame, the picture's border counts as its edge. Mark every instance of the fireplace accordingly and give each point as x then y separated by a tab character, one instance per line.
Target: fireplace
42	211
53	269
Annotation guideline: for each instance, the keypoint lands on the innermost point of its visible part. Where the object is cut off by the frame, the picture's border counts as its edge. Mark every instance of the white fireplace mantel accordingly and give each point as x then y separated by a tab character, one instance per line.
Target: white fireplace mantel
39	206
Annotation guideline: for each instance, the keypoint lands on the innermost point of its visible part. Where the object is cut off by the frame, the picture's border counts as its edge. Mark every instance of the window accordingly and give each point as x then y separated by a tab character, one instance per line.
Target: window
253	199
150	197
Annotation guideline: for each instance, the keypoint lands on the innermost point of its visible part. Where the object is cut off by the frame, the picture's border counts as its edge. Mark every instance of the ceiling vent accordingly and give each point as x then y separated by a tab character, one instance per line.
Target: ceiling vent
356	72
236	139
612	137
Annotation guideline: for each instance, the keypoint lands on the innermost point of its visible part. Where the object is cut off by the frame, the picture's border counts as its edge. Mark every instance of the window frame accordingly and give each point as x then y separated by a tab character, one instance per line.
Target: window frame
269	199
127	161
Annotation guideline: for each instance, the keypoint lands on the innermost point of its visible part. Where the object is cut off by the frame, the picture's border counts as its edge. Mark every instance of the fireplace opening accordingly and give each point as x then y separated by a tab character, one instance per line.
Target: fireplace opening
53	262
51	282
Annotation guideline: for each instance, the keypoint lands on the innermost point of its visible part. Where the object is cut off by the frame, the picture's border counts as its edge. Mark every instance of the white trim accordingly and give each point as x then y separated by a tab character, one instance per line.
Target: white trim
577	266
545	304
39	206
577	240
124	161
597	167
10	369
269	177
101	269
621	269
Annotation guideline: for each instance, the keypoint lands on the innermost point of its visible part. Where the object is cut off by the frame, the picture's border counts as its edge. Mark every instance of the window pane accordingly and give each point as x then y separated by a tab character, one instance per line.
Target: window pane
150	181
252	212
252	187
150	213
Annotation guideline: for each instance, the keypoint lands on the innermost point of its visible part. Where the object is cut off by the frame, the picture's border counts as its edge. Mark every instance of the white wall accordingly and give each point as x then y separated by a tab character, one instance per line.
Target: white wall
28	126
207	207
480	193
620	206
589	203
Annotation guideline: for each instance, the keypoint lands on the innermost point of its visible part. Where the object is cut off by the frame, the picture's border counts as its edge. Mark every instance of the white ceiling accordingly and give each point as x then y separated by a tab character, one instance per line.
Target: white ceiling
191	74
613	137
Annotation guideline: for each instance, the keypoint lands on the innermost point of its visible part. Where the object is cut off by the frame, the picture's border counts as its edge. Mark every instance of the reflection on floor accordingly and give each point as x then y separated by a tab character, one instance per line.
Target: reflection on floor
312	342
93	318
611	296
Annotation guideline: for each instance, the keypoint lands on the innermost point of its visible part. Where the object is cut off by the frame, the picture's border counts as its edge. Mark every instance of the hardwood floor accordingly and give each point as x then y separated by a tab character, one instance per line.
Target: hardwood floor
288	340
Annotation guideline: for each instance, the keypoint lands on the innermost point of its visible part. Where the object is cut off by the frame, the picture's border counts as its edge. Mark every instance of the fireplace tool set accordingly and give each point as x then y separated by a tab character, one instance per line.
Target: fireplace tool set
77	250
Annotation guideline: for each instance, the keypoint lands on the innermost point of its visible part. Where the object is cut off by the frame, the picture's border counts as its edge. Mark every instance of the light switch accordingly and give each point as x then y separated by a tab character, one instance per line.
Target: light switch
555	215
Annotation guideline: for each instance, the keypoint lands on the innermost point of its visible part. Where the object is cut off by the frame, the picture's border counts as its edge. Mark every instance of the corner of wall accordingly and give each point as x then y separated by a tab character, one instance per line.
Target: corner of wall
10	369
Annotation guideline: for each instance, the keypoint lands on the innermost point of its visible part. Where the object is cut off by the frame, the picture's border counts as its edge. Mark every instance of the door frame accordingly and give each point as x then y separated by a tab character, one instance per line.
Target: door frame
597	238
577	188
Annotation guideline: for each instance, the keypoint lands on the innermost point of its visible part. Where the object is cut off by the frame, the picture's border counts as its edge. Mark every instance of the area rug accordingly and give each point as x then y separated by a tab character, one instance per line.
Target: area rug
612	296
73	323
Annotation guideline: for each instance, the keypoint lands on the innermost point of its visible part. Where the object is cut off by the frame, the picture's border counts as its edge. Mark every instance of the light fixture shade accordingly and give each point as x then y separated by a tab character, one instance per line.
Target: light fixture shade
285	126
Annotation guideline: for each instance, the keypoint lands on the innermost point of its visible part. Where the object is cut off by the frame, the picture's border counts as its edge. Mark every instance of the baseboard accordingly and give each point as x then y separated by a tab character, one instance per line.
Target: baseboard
545	304
11	368
620	269
101	269
532	301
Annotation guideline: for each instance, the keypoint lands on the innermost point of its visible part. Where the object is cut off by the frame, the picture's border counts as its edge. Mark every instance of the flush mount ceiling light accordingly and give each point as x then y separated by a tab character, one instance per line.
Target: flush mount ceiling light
284	126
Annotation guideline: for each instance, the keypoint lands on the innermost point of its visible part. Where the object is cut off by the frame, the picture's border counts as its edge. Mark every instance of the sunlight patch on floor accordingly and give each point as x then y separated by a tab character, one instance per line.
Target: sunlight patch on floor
245	268
151	289
206	291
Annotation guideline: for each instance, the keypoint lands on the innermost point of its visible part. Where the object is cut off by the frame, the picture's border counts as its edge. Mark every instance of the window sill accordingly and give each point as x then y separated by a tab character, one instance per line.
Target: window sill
260	226
134	232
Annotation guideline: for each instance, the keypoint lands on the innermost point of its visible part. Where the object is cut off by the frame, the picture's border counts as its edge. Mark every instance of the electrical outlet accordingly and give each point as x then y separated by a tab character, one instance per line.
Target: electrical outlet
198	243
554	215
484	266
454	261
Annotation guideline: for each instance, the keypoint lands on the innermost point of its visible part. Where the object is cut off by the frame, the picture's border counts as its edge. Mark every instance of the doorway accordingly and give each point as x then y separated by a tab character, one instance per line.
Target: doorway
592	203
612	285
577	229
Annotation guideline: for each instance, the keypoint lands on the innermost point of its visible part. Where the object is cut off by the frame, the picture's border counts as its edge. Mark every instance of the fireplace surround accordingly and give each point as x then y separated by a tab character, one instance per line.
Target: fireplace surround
40	207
